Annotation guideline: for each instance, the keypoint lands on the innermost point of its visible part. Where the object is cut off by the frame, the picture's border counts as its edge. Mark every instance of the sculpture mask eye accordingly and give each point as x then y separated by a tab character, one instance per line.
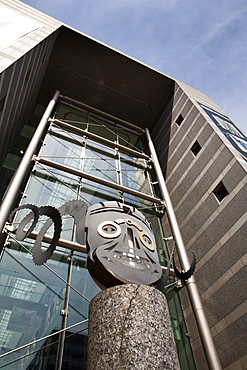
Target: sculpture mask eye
109	229
146	240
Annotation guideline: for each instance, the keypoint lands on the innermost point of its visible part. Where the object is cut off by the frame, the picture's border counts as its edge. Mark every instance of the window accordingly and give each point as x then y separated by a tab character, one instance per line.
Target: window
196	147
179	120
43	59
2	102
220	191
28	74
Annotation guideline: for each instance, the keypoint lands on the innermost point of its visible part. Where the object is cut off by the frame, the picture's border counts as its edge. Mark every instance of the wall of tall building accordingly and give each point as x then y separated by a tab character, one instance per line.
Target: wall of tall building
214	229
24	28
204	171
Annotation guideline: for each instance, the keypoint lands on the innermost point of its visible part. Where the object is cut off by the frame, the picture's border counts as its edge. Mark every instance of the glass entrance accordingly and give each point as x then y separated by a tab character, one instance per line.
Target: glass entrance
34	315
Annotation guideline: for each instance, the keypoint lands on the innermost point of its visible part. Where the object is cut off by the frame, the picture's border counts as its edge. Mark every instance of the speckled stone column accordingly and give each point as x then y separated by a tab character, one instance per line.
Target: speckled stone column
129	328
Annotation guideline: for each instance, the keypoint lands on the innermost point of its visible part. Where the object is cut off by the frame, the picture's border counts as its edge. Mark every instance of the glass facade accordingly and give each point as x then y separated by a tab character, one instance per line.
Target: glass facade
39	302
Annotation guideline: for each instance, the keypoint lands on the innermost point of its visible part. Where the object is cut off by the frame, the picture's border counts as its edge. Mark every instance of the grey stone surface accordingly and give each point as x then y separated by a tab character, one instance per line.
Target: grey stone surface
129	328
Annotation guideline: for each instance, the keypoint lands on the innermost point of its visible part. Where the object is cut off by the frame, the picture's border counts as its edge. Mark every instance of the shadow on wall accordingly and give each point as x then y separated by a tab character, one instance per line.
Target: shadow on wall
161	130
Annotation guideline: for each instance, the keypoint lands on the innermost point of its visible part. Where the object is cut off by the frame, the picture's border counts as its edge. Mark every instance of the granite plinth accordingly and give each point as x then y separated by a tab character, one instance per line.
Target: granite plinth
130	328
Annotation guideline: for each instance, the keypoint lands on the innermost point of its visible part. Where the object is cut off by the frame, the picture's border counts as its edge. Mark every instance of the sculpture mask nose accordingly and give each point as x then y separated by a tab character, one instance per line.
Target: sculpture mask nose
130	240
134	256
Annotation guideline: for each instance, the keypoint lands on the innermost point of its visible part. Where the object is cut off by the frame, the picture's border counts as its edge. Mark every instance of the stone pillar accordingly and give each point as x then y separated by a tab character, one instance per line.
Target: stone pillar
130	328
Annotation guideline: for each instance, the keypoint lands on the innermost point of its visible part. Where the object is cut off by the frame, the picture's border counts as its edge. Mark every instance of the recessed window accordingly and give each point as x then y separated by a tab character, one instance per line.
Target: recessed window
179	120
196	147
28	74
2	102
220	191
43	59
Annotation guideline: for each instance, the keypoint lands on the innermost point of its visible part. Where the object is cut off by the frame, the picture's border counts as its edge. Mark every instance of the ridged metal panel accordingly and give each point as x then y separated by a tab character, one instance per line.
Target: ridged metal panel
21	95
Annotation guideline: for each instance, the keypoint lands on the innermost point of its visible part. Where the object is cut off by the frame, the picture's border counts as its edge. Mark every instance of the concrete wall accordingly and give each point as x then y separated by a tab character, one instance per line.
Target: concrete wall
215	231
45	26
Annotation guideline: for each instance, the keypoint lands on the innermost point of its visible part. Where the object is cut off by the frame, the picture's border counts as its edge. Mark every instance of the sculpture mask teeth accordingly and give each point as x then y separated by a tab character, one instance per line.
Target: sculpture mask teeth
132	260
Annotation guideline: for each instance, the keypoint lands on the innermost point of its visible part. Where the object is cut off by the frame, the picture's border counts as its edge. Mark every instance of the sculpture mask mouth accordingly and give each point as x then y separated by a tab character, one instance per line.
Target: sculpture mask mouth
132	260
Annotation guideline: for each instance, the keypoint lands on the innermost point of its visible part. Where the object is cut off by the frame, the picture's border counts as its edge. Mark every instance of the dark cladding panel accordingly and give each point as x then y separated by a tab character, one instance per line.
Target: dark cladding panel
16	111
94	74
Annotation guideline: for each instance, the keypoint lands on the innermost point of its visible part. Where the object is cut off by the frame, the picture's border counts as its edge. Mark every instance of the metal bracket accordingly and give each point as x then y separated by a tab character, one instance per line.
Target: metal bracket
179	284
149	164
64	313
160	209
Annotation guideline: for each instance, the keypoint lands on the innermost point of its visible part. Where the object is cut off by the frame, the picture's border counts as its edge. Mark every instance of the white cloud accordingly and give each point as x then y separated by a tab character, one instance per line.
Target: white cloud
210	33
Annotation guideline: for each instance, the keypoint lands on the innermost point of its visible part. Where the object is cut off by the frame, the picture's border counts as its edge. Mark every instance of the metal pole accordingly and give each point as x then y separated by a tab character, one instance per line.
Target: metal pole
195	300
14	187
64	314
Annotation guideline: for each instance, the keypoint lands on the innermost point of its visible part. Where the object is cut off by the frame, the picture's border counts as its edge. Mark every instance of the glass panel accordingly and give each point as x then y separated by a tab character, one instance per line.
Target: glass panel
134	174
45	189
82	281
100	161
63	149
72	116
48	186
180	331
30	303
94	193
102	128
129	139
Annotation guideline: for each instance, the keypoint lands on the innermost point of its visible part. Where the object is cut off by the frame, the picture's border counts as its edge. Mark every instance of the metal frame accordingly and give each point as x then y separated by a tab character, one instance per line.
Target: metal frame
98	138
87	176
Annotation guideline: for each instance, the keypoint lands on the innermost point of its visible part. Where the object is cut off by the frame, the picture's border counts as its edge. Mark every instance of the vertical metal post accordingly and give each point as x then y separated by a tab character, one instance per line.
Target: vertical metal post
8	201
64	314
195	300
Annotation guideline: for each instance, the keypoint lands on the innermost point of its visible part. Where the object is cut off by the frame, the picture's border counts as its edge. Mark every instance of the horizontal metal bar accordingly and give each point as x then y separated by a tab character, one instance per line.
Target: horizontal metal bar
72	245
61	242
87	176
101	113
43	338
99	138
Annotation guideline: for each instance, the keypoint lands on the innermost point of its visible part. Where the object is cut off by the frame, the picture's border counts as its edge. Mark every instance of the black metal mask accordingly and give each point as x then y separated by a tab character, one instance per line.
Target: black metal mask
121	246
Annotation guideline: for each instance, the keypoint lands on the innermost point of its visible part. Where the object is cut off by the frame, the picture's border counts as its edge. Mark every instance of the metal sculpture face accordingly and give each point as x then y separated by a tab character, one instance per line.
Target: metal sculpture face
120	243
121	246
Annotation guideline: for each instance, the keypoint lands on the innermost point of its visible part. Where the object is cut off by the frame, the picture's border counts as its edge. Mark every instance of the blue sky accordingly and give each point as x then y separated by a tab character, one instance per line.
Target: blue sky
200	42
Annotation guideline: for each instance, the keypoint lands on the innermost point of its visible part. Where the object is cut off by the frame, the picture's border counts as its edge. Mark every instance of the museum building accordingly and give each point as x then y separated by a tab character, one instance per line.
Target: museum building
107	106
